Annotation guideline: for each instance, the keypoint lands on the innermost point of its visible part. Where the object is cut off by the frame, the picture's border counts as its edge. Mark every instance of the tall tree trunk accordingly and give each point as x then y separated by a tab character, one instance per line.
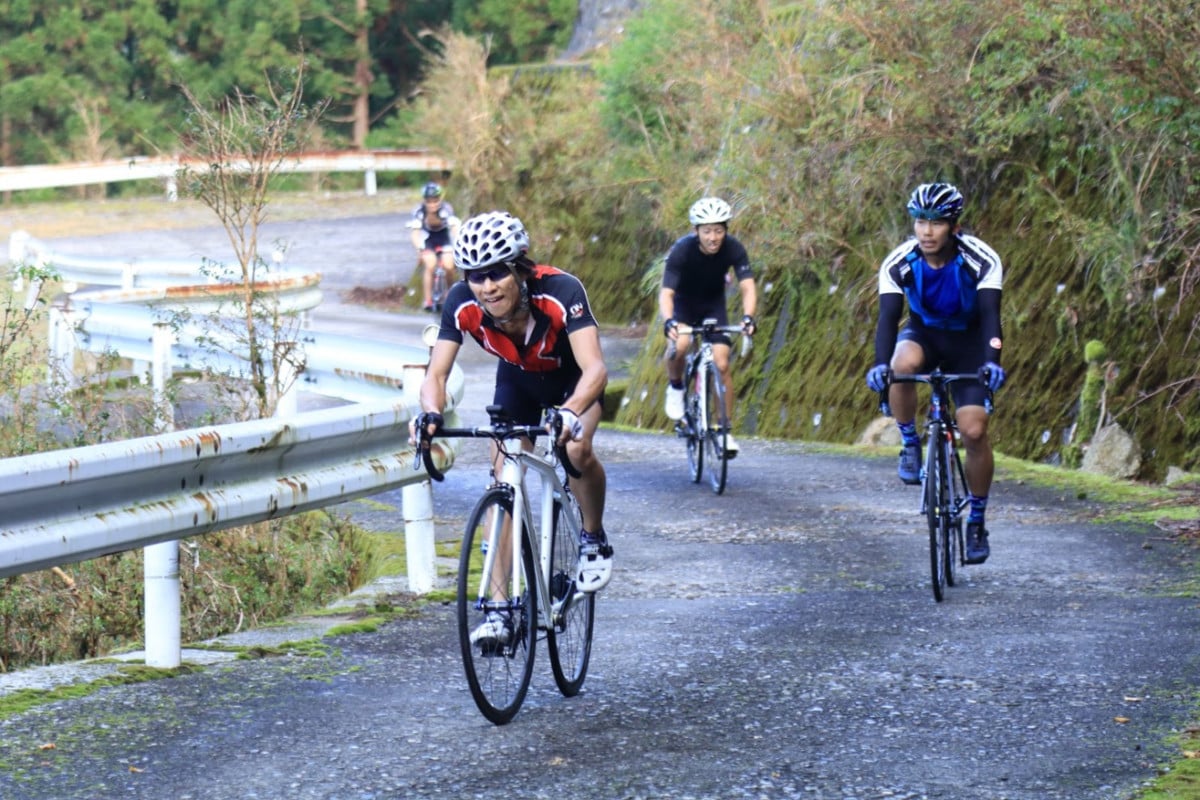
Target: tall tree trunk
362	79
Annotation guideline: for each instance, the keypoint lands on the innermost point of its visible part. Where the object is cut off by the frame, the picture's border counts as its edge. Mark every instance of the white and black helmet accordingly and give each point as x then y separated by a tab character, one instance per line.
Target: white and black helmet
935	201
709	210
492	238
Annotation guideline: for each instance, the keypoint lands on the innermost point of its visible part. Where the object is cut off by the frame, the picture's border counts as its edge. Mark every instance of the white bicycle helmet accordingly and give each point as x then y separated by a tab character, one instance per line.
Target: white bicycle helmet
492	238
708	210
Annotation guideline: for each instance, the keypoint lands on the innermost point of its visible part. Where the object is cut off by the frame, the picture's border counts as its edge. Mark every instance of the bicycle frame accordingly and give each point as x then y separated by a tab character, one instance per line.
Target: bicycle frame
512	476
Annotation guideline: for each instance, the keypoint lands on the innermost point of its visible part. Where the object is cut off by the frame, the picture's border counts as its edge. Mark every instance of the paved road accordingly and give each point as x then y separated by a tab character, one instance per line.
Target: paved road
778	641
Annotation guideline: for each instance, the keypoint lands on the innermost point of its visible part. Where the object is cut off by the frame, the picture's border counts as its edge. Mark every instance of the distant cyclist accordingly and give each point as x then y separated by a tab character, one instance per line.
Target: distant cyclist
952	282
693	290
537	321
434	227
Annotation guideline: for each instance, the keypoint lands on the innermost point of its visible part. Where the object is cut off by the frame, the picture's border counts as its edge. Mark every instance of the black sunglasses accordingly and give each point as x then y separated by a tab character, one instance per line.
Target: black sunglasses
495	274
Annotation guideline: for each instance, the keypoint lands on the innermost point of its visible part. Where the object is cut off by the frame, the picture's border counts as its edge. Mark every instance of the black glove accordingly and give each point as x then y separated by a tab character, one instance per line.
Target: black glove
668	326
427	418
749	326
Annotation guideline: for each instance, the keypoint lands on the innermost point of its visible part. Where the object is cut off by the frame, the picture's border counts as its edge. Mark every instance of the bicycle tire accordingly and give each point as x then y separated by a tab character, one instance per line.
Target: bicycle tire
934	510
717	431
694	419
498	677
953	549
439	288
572	613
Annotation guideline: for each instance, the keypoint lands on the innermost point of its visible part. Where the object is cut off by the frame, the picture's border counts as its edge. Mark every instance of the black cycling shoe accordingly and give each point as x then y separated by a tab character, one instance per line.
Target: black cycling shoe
977	544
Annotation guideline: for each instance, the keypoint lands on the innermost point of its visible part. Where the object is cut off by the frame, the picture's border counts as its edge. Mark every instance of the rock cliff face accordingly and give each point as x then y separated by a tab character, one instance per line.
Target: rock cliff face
597	23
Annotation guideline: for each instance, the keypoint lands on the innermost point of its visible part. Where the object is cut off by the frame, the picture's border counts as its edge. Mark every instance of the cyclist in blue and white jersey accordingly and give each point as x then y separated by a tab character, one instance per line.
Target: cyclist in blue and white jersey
952	283
433	226
693	289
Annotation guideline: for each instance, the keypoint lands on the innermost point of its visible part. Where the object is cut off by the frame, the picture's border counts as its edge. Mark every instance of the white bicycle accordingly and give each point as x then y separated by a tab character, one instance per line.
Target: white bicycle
517	569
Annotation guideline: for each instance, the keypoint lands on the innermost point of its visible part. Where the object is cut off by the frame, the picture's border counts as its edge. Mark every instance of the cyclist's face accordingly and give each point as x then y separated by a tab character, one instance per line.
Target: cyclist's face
711	236
932	235
498	294
432	203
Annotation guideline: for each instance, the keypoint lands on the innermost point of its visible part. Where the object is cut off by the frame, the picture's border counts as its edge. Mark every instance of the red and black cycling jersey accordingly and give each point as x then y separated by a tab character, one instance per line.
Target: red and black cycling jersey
559	306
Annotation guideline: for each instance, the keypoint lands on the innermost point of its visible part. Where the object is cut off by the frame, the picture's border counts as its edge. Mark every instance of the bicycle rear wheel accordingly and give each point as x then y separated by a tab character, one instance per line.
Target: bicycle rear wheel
718	429
935	499
571	614
498	672
694	420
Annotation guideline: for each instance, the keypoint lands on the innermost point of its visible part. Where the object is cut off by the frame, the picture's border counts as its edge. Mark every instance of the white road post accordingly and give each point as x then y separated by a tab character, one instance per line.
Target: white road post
161	577
417	499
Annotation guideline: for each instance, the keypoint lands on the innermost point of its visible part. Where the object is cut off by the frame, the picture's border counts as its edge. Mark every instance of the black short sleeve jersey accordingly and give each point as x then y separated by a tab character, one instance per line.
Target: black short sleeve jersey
699	277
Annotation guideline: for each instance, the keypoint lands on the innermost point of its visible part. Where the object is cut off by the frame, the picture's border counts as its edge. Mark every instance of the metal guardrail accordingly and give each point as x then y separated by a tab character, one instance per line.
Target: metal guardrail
71	505
162	280
165	168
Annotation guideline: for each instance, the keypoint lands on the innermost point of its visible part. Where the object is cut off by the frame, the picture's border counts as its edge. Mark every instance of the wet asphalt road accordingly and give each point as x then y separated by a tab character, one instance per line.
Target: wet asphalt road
778	641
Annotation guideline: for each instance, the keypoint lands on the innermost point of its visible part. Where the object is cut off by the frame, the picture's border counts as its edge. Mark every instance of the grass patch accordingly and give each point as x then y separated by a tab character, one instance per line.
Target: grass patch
21	701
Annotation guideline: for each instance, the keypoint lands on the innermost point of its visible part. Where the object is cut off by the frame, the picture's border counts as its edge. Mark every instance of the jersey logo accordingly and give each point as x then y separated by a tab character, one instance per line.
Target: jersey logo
576	311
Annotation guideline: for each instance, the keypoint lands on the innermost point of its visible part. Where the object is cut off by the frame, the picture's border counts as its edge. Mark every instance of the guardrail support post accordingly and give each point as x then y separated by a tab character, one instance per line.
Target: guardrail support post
417	500
161	576
60	372
369	182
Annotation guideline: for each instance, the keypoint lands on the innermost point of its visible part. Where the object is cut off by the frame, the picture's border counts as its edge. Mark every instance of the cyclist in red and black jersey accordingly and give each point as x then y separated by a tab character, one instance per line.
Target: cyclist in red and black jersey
537	321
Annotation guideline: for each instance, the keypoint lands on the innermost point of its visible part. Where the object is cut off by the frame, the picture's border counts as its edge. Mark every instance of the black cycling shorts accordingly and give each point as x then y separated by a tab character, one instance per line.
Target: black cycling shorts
524	395
689	311
955	352
439	238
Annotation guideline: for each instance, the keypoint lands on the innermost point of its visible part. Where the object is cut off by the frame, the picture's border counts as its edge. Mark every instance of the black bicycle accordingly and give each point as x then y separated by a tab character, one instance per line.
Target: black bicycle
944	492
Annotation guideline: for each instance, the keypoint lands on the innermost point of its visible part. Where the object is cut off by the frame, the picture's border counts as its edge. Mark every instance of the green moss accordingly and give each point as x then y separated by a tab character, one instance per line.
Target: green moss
25	699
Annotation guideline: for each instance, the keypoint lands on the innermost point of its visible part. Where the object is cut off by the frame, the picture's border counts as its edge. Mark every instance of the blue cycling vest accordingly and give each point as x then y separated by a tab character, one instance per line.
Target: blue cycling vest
932	302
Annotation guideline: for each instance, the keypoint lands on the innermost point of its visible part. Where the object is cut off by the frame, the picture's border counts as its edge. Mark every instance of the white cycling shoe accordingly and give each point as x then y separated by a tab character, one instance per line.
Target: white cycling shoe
595	564
674	403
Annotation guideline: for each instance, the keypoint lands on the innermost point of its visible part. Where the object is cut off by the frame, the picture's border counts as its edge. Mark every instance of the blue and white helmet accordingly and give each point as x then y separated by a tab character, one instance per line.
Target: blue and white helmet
492	238
709	210
936	201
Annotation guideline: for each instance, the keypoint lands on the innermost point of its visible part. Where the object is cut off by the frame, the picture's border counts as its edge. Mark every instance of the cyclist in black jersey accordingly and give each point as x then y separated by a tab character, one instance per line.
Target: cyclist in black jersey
434	227
952	284
694	282
537	321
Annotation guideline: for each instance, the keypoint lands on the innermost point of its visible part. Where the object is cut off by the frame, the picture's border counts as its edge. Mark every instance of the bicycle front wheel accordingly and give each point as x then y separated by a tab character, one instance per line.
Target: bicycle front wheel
572	613
935	499
496	631
718	429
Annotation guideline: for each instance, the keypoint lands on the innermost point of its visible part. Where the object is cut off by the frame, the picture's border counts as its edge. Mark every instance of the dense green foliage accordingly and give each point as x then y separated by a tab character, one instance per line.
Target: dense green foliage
1067	124
82	81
